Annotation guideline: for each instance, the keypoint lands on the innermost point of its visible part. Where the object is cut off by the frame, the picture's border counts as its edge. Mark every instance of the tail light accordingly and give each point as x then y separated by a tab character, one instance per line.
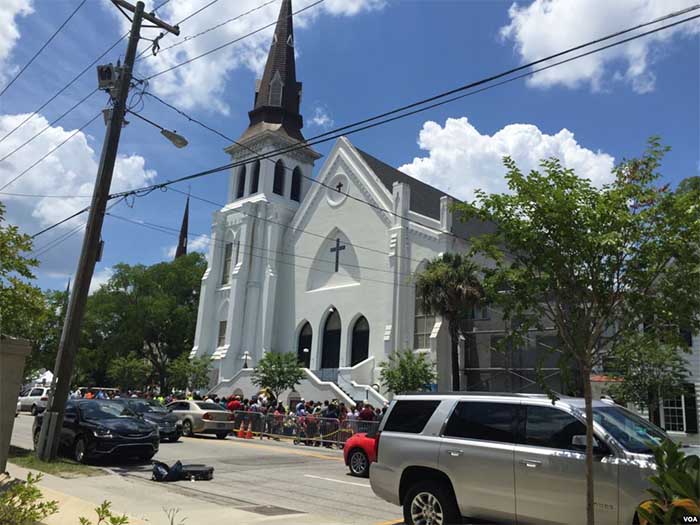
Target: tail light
231	417
44	398
207	416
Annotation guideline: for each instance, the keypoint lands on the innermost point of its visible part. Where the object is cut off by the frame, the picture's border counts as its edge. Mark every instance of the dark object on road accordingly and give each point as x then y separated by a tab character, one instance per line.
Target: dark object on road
95	428
169	425
179	472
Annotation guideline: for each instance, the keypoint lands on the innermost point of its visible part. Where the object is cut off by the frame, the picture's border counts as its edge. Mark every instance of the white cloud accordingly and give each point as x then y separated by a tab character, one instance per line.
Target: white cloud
70	171
202	82
99	278
461	160
321	118
545	27
198	244
9	10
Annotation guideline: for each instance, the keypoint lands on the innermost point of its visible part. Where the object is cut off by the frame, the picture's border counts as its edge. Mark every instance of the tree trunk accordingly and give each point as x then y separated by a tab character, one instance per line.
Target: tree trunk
588	397
454	339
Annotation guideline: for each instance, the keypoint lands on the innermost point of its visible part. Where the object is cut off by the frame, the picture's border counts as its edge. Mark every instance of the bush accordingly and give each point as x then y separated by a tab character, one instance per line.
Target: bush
105	516
20	502
406	371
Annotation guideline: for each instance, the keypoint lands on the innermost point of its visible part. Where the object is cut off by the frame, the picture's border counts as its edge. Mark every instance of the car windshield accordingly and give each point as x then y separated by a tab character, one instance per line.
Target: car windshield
104	410
141	406
633	432
208	406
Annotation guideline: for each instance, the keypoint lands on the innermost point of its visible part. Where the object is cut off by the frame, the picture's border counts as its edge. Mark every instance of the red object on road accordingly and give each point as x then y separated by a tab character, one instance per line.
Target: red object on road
360	451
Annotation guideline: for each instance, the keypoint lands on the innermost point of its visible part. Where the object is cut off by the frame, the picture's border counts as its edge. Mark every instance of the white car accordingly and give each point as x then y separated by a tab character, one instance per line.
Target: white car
34	400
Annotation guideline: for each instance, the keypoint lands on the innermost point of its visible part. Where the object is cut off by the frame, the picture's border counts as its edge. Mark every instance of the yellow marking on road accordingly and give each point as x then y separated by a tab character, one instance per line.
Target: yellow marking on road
397	521
271	448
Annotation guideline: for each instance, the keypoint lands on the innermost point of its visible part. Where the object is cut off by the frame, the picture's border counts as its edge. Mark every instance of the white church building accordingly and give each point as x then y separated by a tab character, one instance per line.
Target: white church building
324	268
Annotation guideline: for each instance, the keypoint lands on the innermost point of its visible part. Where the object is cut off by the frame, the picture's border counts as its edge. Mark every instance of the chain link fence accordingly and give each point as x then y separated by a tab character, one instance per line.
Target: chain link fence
309	430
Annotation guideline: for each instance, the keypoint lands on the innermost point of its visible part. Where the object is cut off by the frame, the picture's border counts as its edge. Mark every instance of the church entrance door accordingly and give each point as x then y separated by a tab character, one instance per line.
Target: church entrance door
330	350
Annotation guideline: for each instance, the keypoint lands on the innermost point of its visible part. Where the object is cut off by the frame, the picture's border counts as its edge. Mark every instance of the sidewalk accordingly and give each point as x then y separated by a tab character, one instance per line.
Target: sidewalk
145	502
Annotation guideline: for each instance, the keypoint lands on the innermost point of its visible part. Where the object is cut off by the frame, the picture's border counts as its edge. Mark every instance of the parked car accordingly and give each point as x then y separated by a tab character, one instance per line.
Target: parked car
359	451
202	417
34	400
511	458
169	426
95	428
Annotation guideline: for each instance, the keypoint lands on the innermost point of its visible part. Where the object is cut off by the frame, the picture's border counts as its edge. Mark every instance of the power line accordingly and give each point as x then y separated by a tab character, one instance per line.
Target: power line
330	135
49	228
174	232
230	42
49	153
19	73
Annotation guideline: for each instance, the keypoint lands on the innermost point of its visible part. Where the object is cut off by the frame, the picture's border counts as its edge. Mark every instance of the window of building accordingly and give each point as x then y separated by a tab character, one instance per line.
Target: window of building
673	414
278	181
479	312
226	267
360	341
423	326
487	421
236	252
295	194
410	416
240	191
276	87
255	182
552	428
221	340
304	345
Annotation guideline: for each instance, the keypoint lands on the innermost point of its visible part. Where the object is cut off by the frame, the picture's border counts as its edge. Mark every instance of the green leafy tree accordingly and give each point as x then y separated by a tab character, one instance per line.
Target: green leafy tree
129	372
186	373
21	503
21	303
648	371
278	371
595	263
449	286
406	371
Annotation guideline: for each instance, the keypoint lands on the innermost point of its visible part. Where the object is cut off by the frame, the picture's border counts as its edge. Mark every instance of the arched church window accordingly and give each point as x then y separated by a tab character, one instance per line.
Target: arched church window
278	181
330	349
295	194
241	182
423	325
226	266
255	182
360	341
276	87
304	345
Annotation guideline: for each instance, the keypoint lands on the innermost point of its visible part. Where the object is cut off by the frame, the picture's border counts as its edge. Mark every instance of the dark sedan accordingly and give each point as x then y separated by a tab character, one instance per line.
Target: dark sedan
169	425
95	428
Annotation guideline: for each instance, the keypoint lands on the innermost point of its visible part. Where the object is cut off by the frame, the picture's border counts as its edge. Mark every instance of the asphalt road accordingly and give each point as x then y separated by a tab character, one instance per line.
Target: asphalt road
272	477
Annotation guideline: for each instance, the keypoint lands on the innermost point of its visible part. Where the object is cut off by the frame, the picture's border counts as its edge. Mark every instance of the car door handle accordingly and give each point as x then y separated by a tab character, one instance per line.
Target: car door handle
530	463
455	453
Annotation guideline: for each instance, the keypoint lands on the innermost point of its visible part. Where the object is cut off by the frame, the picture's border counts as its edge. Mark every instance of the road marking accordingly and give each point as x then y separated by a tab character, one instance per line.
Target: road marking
272	448
397	521
337	480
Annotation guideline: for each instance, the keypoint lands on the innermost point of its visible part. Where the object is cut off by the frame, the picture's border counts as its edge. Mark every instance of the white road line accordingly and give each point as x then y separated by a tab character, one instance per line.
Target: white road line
337	480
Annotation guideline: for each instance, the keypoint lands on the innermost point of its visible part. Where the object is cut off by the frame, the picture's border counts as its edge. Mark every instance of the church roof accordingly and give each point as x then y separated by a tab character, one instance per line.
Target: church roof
425	199
273	110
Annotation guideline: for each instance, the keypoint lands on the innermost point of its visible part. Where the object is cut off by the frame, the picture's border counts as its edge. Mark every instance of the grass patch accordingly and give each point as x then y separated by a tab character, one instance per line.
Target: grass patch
62	467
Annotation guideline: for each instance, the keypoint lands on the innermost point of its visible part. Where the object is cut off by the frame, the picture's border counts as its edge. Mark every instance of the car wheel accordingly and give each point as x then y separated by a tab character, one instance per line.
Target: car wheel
35	410
187	428
221	435
80	450
430	503
358	463
174	439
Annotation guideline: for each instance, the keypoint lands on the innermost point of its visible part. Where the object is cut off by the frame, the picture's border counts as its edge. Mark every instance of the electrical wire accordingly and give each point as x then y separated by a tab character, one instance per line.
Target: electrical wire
72	216
19	73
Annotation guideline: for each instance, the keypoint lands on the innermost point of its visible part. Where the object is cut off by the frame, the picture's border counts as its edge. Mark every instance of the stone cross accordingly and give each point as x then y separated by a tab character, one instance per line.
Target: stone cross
336	249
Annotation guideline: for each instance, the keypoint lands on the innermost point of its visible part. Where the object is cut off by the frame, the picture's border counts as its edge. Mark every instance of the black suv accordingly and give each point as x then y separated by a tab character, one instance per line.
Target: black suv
169	425
95	428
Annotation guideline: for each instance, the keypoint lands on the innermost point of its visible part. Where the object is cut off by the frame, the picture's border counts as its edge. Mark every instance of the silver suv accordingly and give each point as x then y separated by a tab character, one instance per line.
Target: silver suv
510	458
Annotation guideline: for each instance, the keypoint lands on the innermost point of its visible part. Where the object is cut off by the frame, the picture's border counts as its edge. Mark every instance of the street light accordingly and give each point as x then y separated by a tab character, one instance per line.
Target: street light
245	358
177	140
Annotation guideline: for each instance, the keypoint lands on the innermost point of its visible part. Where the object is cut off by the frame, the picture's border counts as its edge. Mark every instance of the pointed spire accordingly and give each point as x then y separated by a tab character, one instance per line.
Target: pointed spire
182	241
278	96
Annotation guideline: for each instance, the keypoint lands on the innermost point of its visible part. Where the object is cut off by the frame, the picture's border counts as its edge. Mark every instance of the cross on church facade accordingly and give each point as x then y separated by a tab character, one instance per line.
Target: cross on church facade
339	187
336	249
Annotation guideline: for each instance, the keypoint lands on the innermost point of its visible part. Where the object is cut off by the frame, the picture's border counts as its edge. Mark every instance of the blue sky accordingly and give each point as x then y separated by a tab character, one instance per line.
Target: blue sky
355	58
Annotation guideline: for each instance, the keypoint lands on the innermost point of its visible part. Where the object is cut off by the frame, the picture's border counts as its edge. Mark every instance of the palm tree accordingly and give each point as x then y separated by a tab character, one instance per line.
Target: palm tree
449	286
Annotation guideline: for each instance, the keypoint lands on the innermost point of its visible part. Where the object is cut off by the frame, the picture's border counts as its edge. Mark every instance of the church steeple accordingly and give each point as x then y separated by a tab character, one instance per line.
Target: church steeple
278	94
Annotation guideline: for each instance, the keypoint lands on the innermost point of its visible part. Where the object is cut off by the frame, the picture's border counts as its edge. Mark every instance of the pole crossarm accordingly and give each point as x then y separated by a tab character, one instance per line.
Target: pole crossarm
175	30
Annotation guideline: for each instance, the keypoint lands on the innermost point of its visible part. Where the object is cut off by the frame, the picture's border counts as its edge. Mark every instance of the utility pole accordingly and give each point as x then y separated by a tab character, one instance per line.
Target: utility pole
63	370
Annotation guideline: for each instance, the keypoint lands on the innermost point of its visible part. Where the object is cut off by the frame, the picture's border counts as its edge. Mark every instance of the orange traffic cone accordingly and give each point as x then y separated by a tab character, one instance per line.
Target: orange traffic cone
240	433
249	434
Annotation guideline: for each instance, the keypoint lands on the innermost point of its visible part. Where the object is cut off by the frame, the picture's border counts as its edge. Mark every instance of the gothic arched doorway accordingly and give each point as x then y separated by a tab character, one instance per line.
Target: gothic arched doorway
360	341
304	346
330	349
